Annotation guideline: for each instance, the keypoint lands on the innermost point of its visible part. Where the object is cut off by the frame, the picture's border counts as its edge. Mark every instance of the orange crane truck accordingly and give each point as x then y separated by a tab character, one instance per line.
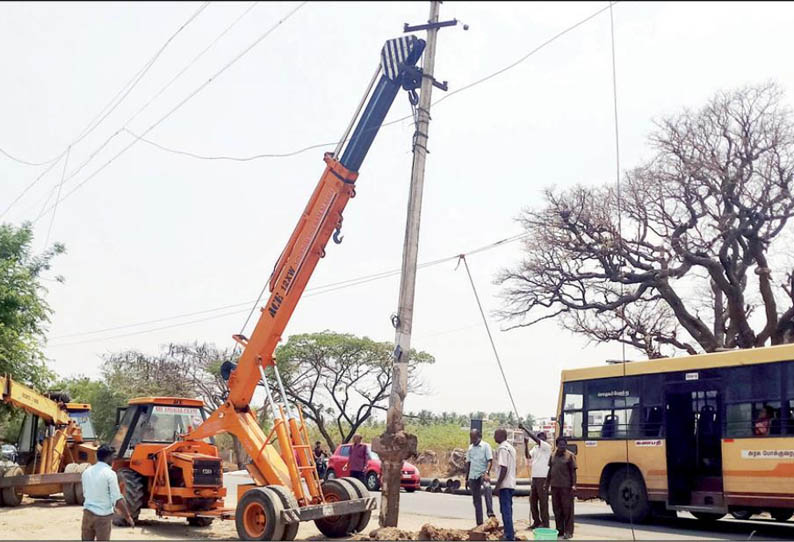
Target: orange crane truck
56	444
166	460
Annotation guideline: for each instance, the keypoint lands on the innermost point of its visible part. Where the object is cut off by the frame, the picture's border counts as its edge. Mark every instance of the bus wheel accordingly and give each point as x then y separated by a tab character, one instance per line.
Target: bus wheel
627	496
781	514
707	516
742	514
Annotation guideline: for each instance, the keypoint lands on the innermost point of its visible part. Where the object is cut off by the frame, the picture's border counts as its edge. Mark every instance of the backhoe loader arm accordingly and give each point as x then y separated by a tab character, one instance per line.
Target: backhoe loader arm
25	398
322	215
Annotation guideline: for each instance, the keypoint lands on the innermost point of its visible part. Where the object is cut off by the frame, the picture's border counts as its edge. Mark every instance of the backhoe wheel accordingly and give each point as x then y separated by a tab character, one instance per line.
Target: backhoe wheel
132	487
199	522
337	526
288	501
362	493
258	515
73	493
12	496
68	489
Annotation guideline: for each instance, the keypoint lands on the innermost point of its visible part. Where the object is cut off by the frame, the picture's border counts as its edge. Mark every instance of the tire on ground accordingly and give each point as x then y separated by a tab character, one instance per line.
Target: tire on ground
362	493
288	500
258	515
373	484
628	496
132	489
742	514
12	496
708	516
337	526
68	489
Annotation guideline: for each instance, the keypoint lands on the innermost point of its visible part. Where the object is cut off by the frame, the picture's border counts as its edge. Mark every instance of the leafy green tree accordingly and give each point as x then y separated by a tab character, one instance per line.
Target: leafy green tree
24	312
338	380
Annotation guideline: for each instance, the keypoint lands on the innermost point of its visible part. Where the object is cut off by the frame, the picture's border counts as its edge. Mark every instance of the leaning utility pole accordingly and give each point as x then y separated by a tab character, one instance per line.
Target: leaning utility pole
394	446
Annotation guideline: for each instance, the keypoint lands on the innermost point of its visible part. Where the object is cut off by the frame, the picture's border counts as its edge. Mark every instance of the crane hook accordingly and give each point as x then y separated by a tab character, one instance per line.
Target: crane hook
338	238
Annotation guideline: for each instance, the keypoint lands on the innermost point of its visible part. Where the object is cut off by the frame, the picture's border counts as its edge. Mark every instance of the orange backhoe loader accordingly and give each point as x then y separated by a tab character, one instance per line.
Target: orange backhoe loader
165	459
56	444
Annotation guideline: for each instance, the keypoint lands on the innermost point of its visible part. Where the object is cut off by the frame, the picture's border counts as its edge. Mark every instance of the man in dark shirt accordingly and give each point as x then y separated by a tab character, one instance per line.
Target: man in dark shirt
358	459
562	479
320	458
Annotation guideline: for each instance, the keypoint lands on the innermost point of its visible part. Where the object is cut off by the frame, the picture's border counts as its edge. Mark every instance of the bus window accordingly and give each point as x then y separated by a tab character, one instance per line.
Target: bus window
572	404
760	419
613	407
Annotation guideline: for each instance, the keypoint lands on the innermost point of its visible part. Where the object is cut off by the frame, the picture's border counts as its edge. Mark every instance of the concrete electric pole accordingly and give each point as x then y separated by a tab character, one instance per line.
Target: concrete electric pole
394	446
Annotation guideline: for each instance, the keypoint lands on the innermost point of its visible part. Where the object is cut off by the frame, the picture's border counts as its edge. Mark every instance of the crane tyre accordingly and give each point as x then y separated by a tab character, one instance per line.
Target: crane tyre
337	526
12	496
258	515
363	493
288	501
78	487
132	487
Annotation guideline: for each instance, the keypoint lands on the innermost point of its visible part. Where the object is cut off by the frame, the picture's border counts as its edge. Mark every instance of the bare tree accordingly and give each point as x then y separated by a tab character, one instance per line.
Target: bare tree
682	258
339	380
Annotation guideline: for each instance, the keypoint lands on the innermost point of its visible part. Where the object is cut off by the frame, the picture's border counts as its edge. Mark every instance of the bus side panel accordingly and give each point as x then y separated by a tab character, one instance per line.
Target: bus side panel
758	472
596	455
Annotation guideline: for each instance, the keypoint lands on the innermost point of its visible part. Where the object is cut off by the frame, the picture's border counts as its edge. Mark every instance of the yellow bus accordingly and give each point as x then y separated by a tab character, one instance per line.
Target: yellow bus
711	434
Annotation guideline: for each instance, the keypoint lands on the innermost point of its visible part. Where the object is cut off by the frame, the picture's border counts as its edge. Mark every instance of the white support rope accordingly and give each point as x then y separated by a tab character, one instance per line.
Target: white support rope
462	258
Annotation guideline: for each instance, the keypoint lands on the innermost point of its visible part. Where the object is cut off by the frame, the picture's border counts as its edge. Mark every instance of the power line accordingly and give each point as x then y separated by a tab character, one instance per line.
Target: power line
195	59
60	185
310	292
104	113
259	156
186	99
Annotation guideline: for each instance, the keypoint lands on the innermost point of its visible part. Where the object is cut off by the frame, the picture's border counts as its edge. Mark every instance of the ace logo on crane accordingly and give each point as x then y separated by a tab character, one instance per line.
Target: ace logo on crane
275	304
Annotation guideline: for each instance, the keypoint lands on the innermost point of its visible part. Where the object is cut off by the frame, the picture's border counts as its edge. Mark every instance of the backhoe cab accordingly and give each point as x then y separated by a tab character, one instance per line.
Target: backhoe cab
158	470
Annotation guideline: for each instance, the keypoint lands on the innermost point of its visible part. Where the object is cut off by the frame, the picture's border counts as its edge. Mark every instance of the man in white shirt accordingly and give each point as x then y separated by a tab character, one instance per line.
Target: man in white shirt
478	466
506	483
539	460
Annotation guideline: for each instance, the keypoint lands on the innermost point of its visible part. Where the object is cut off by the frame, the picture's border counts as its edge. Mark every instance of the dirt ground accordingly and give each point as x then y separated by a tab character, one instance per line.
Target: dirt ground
49	519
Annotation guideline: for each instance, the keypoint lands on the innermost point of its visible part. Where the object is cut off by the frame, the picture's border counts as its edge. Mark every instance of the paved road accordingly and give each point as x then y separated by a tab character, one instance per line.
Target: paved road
595	520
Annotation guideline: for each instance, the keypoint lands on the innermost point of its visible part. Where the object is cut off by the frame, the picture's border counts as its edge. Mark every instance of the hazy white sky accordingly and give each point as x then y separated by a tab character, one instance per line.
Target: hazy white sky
154	234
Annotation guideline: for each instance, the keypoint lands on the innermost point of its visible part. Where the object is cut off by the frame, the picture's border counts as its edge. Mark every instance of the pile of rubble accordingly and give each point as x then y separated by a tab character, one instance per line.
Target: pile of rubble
491	530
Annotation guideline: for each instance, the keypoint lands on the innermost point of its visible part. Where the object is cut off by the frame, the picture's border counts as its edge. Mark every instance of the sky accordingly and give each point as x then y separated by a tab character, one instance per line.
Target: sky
164	247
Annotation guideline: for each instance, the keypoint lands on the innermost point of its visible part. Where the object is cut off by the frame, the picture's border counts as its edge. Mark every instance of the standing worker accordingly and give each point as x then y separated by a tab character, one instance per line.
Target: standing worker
478	464
358	459
506	483
102	497
539	458
562	479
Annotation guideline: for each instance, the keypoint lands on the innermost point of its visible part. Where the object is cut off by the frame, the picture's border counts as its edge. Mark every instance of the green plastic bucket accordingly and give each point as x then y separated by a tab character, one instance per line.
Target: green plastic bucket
545	534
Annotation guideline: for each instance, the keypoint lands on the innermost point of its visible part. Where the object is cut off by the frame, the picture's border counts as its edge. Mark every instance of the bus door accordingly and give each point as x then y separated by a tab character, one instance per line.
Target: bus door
693	434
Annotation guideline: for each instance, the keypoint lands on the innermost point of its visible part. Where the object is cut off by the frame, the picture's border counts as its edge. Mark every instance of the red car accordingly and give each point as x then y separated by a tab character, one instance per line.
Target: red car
338	468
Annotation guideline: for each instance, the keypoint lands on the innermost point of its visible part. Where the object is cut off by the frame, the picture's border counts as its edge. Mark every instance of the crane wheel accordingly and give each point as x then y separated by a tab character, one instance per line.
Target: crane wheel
363	493
288	500
258	515
12	496
337	526
132	487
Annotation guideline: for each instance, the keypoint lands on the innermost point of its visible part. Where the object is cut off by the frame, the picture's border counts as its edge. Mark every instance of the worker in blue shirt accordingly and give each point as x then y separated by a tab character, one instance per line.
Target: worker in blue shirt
102	497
